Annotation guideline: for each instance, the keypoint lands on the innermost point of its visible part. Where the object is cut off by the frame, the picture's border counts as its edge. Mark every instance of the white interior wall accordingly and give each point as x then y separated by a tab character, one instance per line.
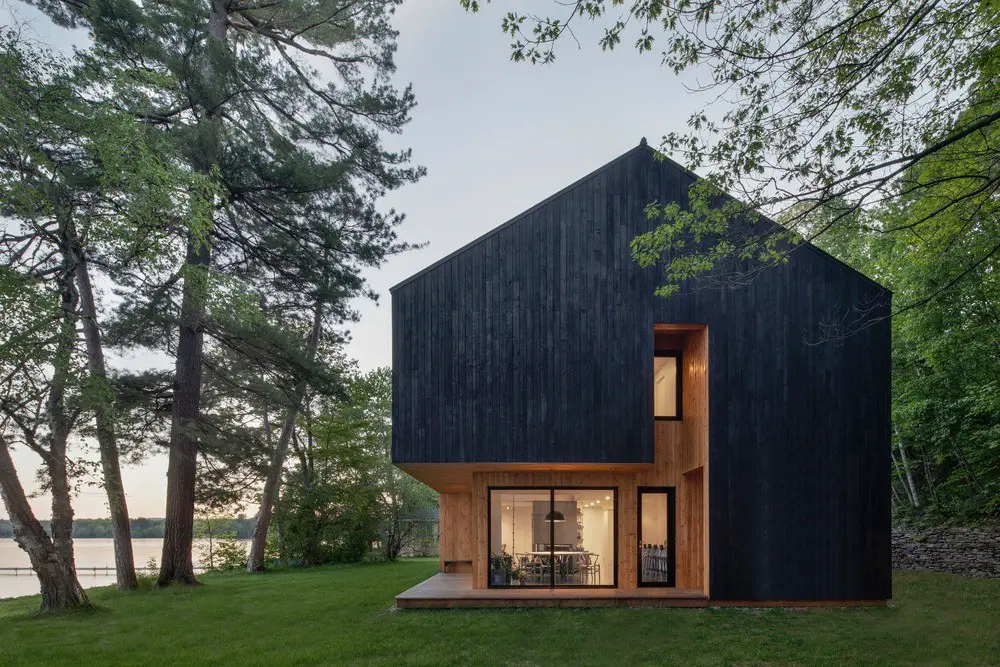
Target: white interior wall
598	537
654	518
665	386
515	529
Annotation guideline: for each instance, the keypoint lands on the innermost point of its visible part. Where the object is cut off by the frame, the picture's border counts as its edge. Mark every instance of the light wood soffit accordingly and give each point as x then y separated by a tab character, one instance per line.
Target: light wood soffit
457	477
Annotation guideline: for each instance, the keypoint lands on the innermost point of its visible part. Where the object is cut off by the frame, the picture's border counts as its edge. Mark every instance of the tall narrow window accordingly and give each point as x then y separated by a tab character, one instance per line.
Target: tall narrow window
657	536
667	385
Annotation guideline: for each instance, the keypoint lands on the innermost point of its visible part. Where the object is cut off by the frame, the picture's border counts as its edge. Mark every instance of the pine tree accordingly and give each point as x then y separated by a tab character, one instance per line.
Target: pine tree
280	106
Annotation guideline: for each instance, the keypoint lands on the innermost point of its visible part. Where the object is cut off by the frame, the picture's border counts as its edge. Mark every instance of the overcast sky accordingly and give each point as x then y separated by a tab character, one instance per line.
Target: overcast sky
496	138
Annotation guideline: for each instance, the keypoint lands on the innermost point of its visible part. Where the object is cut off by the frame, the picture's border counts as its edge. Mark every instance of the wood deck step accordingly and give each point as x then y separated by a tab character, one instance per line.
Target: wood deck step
446	590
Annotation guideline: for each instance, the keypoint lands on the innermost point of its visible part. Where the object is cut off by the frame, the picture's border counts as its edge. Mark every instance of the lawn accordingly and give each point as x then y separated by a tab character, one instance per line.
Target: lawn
342	615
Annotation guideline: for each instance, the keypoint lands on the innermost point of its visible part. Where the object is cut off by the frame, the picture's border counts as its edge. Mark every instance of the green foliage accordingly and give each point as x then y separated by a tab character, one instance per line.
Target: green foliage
230	553
946	357
146	579
367	442
328	523
344	498
209	530
29	316
808	104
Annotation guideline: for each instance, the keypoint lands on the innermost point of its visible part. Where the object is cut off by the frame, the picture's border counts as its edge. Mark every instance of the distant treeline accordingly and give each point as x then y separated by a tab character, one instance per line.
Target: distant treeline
141	527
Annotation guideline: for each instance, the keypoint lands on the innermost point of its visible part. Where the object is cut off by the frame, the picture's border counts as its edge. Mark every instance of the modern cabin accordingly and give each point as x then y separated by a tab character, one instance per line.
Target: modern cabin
596	444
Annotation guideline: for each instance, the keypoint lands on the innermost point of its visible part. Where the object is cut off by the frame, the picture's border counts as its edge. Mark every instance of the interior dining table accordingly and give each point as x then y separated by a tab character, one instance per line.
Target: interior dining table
559	553
569	566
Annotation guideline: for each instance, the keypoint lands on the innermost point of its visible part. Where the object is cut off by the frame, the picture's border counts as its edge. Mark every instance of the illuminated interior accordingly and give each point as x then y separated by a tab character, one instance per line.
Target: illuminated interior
666	386
552	537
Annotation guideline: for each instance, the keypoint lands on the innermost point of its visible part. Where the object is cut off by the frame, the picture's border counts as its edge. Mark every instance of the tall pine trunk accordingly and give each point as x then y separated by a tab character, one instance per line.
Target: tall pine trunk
59	585
121	531
255	560
178	539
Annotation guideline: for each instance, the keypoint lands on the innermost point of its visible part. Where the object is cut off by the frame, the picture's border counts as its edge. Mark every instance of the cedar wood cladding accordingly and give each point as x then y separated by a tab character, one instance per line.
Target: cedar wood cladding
534	343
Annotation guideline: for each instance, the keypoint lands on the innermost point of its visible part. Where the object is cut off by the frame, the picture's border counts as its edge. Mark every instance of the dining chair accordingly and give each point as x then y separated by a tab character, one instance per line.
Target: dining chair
592	567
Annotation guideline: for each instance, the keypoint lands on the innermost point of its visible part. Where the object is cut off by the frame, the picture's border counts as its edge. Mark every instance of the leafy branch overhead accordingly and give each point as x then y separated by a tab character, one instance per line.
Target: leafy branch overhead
872	106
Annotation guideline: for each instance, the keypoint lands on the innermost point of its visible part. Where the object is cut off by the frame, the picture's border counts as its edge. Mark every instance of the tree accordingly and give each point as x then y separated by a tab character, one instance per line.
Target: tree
25	350
60	588
34	192
399	493
345	475
272	480
77	175
285	148
809	103
105	432
946	355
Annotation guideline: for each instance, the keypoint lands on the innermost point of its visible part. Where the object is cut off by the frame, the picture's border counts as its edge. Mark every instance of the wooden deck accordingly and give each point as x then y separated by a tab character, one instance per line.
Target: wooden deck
455	590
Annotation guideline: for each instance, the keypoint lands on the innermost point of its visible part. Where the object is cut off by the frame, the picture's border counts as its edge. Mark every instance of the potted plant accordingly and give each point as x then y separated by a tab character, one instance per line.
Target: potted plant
500	569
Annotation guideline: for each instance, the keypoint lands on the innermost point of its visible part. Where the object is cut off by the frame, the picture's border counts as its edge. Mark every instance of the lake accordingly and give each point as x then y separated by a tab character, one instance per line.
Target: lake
89	553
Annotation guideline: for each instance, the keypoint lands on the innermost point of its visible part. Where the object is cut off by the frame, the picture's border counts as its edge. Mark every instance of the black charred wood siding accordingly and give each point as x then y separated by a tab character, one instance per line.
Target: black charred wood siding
535	344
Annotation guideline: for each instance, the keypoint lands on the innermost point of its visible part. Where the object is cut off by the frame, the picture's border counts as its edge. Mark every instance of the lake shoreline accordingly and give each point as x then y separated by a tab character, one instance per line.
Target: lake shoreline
92	552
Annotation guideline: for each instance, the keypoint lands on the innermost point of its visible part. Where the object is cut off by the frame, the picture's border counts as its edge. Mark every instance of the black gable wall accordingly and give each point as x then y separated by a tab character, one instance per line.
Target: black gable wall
534	344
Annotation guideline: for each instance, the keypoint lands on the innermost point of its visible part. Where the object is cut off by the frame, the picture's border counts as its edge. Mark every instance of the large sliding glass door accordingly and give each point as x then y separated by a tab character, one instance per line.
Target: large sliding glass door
551	537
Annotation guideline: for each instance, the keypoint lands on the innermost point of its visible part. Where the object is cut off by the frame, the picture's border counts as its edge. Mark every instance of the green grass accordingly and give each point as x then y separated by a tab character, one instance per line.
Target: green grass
341	615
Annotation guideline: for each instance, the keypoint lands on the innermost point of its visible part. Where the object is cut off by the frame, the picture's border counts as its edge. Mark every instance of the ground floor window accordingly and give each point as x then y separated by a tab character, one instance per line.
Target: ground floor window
657	543
552	537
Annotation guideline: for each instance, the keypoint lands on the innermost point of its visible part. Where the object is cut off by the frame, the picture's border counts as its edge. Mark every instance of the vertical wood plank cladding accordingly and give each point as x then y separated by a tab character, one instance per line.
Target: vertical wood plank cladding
796	474
458	534
679	447
692	565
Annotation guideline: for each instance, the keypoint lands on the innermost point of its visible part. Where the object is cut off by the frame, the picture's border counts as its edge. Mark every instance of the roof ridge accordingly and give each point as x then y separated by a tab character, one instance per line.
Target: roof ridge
519	216
643	145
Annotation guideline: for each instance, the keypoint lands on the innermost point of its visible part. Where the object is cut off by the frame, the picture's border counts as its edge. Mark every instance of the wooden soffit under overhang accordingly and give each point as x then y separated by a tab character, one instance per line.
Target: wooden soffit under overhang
457	477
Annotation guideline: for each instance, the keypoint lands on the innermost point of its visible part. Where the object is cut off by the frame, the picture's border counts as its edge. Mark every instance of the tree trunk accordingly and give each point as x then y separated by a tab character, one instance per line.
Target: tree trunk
965	465
59	419
902	479
121	531
176	564
928	473
60	588
906	468
896	498
178	525
255	560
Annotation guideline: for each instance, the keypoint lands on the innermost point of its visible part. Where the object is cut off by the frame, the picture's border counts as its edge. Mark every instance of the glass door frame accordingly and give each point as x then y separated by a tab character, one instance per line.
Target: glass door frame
671	493
552	534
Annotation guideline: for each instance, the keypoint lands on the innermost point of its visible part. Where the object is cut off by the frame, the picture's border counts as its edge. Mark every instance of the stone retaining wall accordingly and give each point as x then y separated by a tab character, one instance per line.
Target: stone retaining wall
966	551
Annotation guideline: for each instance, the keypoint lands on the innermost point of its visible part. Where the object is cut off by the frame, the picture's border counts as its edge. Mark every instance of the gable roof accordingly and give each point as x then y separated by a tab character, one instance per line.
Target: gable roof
642	147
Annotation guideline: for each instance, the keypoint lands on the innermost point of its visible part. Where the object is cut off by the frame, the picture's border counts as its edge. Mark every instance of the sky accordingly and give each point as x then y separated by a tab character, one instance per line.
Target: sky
496	138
